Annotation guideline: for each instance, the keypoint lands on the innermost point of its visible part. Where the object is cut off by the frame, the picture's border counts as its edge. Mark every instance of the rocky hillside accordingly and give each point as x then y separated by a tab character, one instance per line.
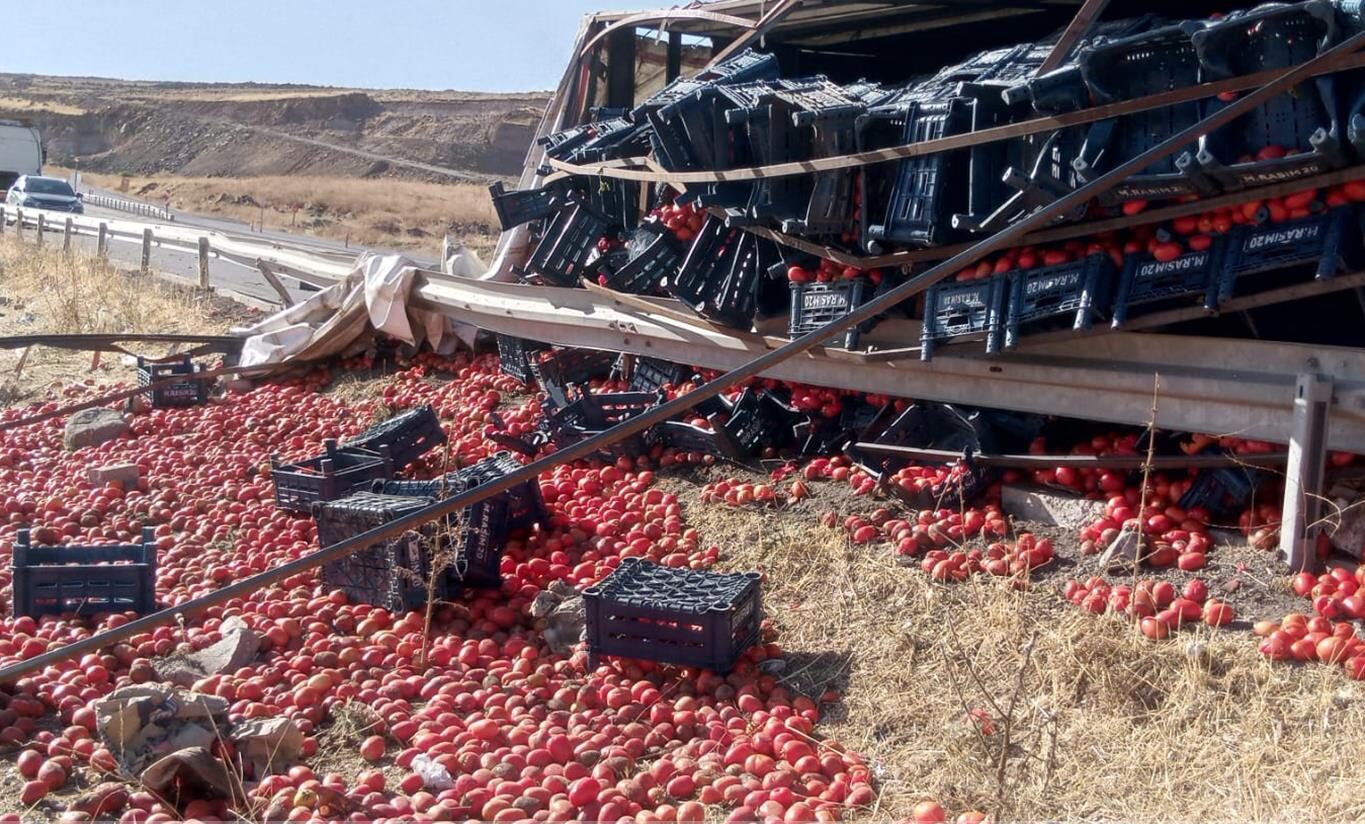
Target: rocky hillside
210	130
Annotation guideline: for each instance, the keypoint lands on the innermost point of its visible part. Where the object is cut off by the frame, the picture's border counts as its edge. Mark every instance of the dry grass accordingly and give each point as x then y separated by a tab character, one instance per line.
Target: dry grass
43	291
23	105
384	213
1106	725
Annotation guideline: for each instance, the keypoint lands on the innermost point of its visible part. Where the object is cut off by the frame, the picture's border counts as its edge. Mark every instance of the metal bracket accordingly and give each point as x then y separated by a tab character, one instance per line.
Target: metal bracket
1303	477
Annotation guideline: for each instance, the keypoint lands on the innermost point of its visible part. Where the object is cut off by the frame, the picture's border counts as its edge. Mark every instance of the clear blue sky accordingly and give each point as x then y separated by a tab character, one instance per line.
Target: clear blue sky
480	45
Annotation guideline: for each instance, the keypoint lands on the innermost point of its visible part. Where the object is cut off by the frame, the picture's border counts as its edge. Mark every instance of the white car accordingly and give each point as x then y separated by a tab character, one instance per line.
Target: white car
36	192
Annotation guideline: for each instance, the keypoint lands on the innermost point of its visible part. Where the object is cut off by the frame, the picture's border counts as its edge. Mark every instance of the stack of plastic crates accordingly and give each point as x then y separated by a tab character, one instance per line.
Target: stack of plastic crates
830	115
772	137
393	573
1157	61
674	616
1302	124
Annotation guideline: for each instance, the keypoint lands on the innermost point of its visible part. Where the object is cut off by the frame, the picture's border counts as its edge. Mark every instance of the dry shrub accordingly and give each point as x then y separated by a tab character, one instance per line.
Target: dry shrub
44	291
82	294
1107	725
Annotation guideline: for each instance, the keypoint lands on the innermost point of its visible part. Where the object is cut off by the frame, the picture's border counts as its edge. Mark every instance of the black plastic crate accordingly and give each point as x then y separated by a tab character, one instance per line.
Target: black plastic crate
562	255
831	117
1081	290
688	437
1329	241
674	616
926	191
1147	280
334	474
477	532
392	573
1150	63
1037	170
747	66
1302	121
515	207
559	144
773	137
927	425
757	419
653	374
1221	492
189	392
514	356
617	200
657	259
591	415
50	580
817	304
525	504
407	436
955	310
562	370
722	277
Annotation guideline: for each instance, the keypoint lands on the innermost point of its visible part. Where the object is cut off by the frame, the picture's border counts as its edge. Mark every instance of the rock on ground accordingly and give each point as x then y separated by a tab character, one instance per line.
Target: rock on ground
92	427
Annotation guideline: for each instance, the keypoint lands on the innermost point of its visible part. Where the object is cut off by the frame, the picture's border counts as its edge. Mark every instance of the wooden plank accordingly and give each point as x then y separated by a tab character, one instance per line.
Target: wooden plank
1076	30
1021	461
1339	61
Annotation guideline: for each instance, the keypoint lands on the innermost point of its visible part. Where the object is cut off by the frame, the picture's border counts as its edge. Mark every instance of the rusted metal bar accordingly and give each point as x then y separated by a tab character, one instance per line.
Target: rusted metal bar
1078	461
1076	30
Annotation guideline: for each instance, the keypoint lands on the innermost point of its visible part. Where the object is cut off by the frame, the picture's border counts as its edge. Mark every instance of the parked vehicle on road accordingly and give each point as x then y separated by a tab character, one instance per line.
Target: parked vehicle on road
37	192
21	152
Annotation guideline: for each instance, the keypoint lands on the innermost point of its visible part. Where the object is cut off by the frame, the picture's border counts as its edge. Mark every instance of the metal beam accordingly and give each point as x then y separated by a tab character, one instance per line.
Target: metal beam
1208	385
1076	30
1080	461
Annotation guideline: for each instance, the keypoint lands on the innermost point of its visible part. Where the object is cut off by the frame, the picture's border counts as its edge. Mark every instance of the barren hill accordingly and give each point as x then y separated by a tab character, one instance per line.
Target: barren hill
208	130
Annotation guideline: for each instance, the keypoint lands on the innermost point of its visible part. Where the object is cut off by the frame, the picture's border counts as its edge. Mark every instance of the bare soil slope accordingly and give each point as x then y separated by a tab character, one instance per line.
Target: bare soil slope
208	130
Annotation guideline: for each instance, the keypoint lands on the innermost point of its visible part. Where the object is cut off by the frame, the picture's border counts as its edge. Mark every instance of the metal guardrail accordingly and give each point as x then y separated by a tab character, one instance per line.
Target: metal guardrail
122	204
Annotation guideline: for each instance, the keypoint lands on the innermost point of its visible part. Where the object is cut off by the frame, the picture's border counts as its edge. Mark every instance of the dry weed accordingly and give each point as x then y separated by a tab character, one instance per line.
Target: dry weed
43	291
1107	725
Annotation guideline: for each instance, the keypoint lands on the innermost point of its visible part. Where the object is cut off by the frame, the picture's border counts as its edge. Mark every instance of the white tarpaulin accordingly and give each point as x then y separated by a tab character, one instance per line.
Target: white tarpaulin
338	320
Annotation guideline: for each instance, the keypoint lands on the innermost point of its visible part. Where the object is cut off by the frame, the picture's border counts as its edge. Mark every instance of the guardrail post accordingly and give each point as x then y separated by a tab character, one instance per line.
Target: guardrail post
2	220
203	263
41	221
66	237
146	251
19	223
102	241
1300	524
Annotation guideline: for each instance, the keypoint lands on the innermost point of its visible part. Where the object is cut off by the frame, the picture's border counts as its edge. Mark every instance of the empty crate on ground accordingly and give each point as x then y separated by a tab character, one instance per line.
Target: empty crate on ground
49	580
